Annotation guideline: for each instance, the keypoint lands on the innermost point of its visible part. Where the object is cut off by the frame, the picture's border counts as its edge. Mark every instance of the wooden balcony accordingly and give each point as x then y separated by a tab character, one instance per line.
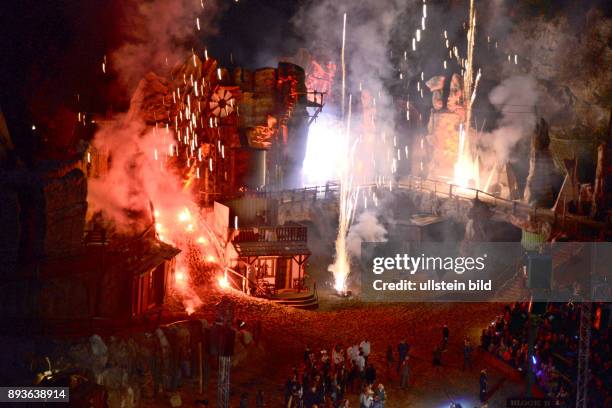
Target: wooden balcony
293	233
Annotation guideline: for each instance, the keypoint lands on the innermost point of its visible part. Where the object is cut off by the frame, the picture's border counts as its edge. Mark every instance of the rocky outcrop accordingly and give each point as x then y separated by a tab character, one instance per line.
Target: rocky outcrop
570	60
130	367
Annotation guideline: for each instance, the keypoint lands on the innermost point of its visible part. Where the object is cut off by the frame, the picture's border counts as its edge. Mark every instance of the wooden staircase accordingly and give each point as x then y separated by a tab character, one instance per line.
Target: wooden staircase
302	300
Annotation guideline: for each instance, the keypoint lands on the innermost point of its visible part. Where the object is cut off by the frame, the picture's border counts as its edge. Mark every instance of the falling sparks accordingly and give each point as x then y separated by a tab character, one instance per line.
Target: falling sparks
348	202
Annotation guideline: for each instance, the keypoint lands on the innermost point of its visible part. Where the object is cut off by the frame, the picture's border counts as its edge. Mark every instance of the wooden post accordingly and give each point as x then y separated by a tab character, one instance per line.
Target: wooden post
223	381
200	369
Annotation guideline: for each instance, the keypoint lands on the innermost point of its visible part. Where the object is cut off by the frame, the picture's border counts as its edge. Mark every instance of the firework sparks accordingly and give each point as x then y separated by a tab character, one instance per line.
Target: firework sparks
347	205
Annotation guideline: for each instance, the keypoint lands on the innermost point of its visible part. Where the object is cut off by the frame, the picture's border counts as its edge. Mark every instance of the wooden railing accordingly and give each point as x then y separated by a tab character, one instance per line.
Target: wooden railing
295	233
327	191
506	206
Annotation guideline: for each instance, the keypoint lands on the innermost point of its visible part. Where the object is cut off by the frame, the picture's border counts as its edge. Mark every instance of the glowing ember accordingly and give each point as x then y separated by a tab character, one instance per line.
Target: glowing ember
184	215
180	278
223	282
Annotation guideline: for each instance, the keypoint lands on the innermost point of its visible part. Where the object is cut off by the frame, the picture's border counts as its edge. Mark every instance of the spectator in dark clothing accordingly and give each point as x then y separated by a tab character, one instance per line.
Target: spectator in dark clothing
437	356
402	351
389	358
307	354
259	399
244	400
370	374
483	385
467	354
445	333
309	397
485	339
291	388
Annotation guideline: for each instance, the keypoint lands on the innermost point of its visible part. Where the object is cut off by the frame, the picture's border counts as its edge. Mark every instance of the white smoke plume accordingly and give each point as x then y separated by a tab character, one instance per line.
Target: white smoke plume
160	34
367	228
515	98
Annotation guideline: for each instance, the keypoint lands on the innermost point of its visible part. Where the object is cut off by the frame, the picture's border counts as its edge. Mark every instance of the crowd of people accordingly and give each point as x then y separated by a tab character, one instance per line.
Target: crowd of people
555	348
325	379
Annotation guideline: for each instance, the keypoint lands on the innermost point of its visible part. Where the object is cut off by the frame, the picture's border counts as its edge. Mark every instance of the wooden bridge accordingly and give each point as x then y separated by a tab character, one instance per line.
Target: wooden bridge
513	211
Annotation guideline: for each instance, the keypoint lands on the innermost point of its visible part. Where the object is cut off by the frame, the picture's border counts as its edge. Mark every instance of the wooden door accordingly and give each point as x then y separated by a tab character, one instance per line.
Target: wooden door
280	279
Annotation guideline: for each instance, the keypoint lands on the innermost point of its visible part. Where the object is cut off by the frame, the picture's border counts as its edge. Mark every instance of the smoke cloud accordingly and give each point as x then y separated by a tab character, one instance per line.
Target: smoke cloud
366	229
369	26
142	184
160	34
515	98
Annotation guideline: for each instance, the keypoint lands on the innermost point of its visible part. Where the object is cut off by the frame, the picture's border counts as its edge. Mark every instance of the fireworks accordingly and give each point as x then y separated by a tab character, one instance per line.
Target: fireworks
466	167
347	205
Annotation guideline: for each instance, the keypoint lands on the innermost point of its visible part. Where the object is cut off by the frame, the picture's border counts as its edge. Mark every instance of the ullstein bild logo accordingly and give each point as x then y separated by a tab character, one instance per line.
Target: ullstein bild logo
414	264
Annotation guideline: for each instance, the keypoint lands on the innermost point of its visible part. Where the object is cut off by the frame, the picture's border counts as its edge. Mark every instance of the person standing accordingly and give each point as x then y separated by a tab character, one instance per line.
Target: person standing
370	374
260	400
307	353
467	354
483	385
244	400
405	372
361	365
445	334
365	348
337	355
389	358
365	399
437	356
402	351
381	394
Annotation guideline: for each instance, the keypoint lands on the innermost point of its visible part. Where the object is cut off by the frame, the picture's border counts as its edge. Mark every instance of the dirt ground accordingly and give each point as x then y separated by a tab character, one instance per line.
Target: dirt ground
286	332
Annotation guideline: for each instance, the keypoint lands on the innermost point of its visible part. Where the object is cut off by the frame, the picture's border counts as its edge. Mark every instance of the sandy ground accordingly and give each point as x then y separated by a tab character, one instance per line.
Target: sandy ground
285	332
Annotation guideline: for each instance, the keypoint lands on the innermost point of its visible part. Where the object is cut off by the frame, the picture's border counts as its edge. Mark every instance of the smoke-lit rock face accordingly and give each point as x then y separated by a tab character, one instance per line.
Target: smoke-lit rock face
570	60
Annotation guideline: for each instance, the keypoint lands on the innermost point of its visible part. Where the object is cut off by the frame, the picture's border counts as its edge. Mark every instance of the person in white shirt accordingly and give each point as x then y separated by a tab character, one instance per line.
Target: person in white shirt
366	398
365	347
352	353
361	363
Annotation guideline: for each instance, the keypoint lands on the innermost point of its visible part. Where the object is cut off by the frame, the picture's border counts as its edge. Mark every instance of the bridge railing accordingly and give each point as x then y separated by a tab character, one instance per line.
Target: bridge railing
313	193
441	187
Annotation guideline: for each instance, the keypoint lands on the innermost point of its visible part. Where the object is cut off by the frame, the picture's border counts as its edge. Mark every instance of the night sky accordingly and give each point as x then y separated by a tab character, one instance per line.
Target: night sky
52	51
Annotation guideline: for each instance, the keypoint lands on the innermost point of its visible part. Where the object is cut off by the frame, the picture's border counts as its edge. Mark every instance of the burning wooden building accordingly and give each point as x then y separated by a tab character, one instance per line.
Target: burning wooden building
59	269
